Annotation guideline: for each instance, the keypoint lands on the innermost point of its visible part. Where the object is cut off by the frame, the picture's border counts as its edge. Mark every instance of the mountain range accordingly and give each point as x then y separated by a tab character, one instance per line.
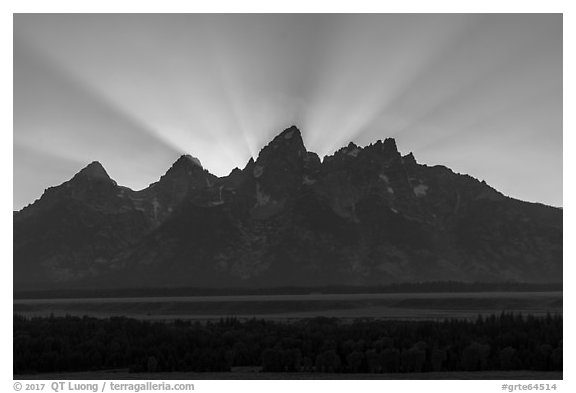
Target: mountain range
362	216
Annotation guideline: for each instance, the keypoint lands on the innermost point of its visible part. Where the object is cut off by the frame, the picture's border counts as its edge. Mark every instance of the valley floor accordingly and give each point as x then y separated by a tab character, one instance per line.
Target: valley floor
394	306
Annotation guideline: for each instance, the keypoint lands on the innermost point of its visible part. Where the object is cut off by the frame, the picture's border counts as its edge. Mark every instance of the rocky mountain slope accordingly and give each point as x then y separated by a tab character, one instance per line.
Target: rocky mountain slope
363	216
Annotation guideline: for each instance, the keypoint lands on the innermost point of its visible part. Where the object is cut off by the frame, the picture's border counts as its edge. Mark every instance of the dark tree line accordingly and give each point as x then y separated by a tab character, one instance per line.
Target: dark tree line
498	342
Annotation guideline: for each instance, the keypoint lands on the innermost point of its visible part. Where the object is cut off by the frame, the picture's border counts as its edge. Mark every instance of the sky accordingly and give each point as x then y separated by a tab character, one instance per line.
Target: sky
479	93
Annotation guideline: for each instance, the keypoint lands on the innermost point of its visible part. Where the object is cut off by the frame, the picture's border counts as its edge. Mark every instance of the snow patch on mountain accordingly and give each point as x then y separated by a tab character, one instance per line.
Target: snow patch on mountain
155	207
307	181
220	201
261	198
354	152
420	190
258	171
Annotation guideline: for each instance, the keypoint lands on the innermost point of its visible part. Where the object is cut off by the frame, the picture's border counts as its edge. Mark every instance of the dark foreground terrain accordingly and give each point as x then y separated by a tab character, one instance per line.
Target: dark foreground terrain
251	375
504	346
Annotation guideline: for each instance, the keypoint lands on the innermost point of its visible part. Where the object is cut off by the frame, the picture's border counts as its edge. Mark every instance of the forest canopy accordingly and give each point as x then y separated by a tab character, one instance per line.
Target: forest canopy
328	345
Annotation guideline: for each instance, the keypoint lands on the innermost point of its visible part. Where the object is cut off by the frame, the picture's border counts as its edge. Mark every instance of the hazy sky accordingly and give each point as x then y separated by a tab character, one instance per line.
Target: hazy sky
481	94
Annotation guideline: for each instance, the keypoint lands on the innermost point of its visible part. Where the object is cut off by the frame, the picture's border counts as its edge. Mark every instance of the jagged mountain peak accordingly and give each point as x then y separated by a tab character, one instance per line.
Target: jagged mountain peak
235	171
386	149
351	150
290	132
409	158
363	216
288	141
185	173
187	159
389	147
94	170
249	165
185	165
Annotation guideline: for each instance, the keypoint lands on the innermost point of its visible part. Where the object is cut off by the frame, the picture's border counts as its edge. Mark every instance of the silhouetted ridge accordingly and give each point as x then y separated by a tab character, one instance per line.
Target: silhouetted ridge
363	216
94	170
288	142
389	148
186	166
187	159
290	132
409	159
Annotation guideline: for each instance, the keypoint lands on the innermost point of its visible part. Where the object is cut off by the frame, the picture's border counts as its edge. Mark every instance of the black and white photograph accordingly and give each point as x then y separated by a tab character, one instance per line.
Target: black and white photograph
288	196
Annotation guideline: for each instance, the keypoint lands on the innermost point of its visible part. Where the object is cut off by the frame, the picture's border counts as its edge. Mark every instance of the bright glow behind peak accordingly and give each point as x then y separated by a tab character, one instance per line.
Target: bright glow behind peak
137	91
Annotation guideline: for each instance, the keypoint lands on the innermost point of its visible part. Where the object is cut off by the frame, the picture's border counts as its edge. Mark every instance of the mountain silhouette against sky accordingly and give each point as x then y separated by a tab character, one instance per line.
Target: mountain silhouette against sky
362	216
